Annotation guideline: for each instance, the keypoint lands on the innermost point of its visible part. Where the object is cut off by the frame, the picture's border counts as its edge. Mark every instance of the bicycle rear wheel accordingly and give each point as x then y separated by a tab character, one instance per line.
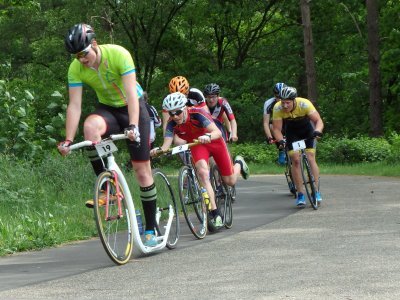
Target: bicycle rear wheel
165	199
223	197
113	219
192	202
309	182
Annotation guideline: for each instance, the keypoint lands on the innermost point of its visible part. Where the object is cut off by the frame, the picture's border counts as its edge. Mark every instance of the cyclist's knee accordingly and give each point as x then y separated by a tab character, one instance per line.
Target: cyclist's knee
143	173
229	180
94	126
203	173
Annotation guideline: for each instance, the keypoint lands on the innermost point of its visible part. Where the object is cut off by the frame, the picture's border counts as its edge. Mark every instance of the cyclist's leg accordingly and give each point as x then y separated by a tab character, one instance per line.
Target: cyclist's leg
229	171
201	154
311	145
203	173
140	158
311	155
99	124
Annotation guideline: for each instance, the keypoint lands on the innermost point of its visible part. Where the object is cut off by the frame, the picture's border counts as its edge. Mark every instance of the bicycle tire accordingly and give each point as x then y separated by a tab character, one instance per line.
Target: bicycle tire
165	199
192	202
288	175
223	197
115	230
308	180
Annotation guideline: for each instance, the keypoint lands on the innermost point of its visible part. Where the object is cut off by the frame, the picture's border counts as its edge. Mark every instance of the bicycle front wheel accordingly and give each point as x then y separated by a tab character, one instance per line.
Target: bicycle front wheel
165	200
288	175
309	182
223	197
192	202
112	215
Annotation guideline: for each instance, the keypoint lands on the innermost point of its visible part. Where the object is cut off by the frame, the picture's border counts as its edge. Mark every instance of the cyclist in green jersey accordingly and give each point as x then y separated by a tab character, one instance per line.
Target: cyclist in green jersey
110	71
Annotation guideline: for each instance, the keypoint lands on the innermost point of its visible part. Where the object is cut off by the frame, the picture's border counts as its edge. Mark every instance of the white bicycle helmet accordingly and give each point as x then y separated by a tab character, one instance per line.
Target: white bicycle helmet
174	101
288	93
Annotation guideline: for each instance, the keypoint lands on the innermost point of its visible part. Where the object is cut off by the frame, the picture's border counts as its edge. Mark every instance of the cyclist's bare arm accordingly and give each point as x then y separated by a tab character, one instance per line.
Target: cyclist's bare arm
129	82
165	146
73	112
226	122
233	136
267	126
178	140
72	118
212	131
317	121
165	118
277	129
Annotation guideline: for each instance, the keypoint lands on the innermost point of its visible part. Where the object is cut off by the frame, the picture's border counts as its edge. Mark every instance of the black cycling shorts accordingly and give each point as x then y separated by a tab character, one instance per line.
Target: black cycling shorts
117	120
300	130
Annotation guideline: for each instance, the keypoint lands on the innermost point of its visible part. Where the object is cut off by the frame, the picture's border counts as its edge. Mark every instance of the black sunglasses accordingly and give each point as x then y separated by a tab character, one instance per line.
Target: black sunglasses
175	113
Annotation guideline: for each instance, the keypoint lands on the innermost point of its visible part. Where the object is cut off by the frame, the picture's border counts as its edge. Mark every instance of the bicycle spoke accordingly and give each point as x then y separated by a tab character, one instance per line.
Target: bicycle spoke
113	219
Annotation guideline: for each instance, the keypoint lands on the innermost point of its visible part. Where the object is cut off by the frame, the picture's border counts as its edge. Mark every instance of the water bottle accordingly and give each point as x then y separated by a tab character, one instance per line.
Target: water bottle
139	221
205	196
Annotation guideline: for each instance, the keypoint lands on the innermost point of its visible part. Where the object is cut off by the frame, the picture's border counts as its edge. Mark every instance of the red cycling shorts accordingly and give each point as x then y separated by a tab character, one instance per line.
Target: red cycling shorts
216	149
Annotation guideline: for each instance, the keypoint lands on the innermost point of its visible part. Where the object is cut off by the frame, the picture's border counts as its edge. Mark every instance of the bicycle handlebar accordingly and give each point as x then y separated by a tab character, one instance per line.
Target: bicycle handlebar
112	137
160	152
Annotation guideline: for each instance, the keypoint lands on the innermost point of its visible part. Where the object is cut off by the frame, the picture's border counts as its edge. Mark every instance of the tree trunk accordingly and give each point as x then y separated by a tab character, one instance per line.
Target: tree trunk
308	50
375	100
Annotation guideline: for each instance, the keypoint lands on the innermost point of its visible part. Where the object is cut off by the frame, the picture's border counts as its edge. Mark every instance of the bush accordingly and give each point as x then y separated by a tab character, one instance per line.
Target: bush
345	150
260	153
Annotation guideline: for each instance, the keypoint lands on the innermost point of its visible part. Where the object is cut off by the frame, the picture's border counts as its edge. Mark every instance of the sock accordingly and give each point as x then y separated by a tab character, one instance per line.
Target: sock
148	195
95	160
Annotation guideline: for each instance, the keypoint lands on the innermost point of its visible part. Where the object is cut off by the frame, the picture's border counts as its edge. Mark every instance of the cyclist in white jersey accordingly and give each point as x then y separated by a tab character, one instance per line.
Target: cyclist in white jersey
267	120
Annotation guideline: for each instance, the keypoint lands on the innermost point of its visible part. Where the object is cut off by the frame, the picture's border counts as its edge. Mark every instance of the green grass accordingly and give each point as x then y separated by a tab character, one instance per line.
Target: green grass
42	204
370	169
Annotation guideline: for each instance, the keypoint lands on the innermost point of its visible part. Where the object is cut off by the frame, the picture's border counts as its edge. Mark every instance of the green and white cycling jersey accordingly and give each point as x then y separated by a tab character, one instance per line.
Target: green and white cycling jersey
116	62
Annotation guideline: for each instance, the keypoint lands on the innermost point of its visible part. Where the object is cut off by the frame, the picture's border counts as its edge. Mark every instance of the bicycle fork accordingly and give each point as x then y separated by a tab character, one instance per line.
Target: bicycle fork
119	198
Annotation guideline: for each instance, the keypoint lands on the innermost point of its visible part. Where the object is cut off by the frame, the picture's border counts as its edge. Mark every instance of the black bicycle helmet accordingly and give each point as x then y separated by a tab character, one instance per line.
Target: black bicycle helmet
211	89
79	37
288	92
278	87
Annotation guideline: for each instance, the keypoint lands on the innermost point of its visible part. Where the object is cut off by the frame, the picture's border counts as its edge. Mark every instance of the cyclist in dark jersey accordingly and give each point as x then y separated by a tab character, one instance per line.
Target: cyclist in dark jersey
110	71
267	120
302	122
220	110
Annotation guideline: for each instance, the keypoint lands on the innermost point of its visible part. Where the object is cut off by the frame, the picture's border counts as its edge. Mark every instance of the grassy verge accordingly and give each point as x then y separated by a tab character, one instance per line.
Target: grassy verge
370	169
42	205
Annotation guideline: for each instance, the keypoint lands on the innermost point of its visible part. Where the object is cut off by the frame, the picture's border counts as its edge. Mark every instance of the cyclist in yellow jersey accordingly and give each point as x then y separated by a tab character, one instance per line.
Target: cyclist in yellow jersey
302	122
110	71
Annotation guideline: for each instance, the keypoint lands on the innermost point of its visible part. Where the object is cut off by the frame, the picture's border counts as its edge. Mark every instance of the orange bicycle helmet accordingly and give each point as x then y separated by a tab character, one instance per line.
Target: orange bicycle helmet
179	84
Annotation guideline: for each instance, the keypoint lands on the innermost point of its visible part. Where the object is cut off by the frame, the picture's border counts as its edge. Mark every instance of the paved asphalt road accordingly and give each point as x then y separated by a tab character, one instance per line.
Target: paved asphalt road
348	249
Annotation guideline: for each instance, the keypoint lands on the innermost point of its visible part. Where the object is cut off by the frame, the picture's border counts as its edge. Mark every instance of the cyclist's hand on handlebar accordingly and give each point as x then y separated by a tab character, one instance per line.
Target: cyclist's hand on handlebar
155	151
63	147
270	140
233	138
204	139
316	134
281	144
133	133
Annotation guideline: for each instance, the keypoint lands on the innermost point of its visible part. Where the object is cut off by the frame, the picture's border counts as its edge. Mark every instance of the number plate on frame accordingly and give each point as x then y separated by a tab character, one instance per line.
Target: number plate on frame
179	149
298	145
105	148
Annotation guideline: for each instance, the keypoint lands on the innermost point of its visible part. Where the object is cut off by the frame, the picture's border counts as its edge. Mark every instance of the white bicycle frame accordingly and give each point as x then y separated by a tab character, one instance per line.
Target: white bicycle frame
107	149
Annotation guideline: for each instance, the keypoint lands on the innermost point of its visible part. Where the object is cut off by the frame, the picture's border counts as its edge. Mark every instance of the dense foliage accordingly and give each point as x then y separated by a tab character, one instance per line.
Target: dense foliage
246	46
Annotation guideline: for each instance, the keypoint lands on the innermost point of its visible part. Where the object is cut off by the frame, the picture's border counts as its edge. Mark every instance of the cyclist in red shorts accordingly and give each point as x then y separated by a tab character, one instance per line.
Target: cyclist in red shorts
189	123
